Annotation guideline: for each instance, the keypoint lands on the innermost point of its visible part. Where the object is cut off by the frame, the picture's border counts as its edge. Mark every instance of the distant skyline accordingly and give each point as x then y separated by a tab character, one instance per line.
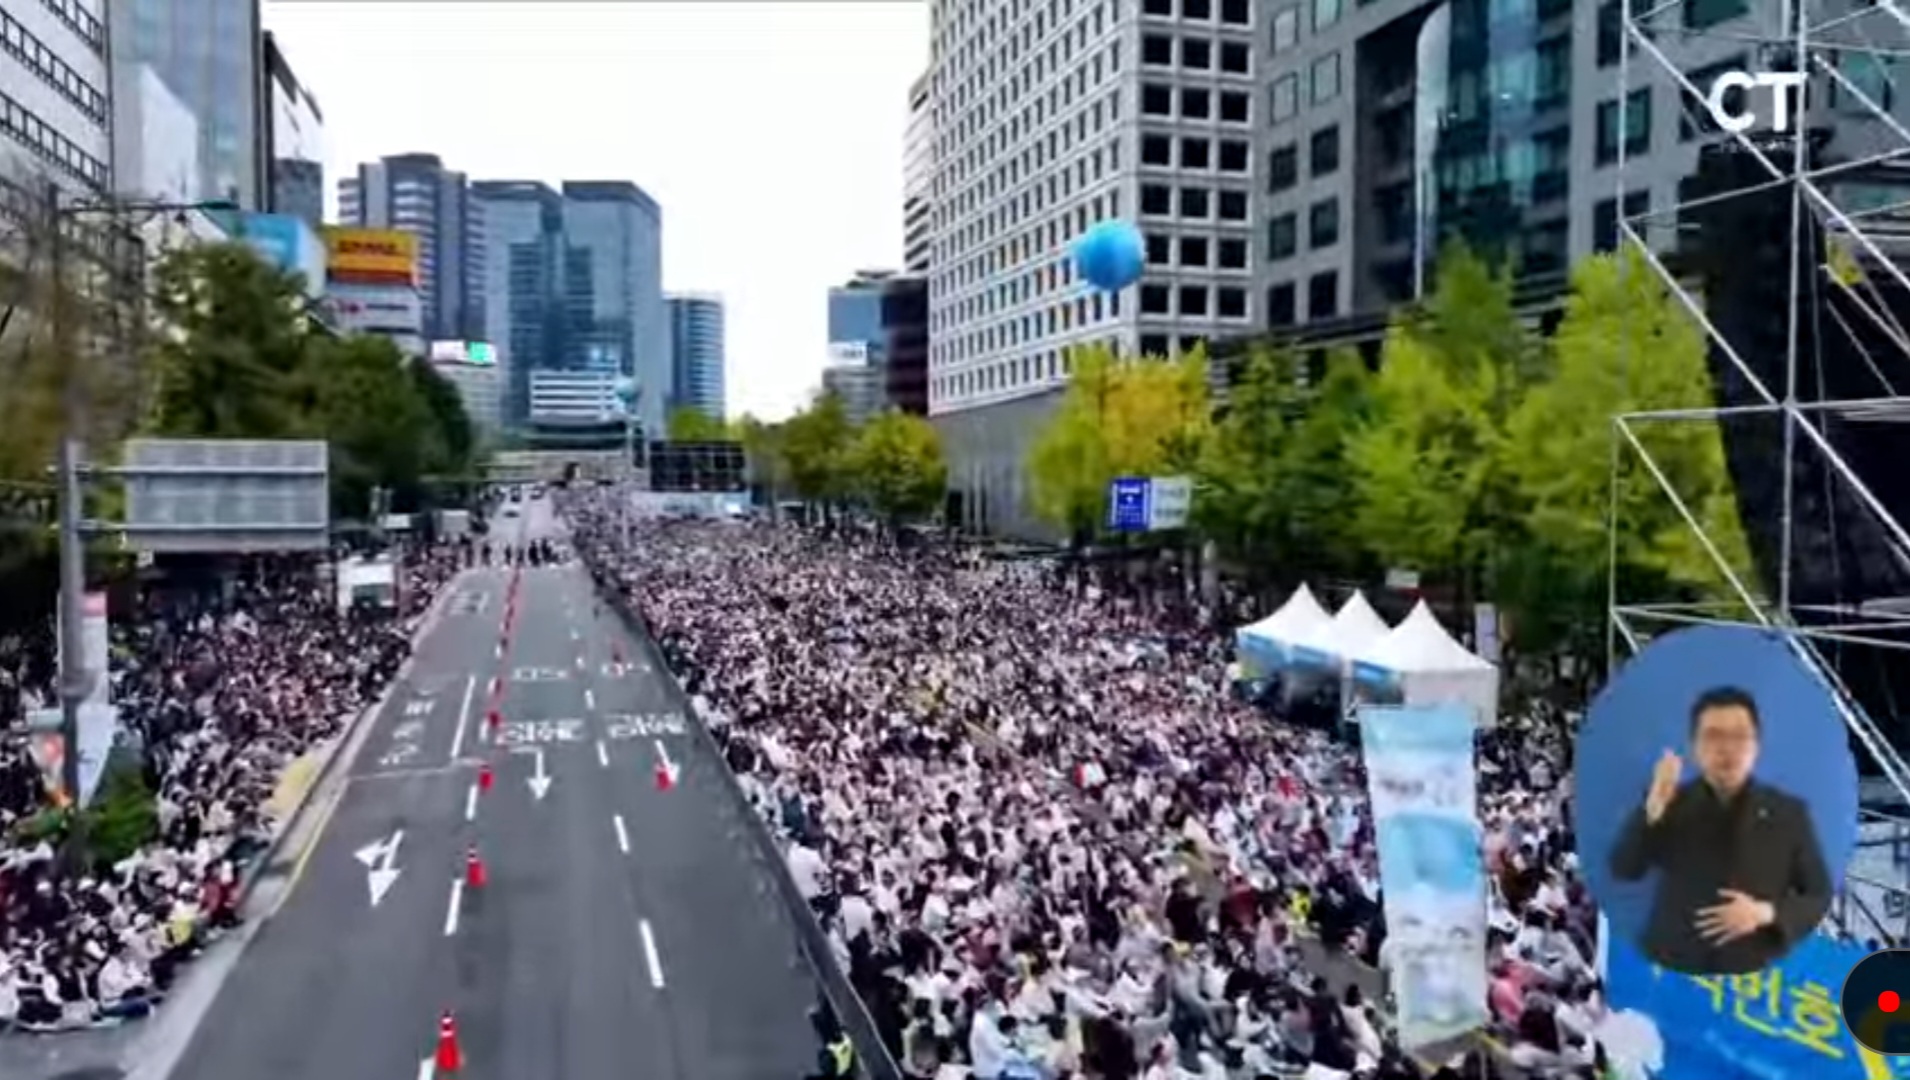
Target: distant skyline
771	133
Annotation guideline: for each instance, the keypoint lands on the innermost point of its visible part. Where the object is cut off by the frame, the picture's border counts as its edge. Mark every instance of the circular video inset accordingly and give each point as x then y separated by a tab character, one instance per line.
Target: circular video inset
1715	800
1876	1002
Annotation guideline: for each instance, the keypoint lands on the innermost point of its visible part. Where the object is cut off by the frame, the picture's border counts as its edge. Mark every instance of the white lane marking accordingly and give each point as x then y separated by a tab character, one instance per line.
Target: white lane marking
499	650
603	754
650	953
457	902
590	699
470	803
623	835
427	1068
494	685
464	717
576	634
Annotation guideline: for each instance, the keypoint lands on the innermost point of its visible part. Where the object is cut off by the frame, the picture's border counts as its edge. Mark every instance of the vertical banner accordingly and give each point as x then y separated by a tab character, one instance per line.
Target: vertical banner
1419	772
99	720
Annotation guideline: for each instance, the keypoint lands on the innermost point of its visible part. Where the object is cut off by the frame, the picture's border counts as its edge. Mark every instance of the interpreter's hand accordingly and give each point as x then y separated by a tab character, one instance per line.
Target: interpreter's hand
1664	785
1741	915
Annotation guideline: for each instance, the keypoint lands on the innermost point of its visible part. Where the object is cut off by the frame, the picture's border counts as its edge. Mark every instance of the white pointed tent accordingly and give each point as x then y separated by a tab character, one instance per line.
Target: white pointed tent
1350	632
1430	668
1263	646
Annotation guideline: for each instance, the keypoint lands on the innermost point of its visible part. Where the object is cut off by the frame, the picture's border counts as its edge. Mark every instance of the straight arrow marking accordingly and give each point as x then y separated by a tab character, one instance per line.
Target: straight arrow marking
540	780
380	861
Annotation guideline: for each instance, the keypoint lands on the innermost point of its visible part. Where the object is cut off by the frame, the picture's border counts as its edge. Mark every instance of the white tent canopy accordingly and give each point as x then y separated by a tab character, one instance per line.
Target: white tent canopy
1431	667
1345	636
1272	636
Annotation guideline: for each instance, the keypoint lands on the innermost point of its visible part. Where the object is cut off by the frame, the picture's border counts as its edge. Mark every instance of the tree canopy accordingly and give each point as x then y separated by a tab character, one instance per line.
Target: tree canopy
242	358
688	424
1477	452
892	465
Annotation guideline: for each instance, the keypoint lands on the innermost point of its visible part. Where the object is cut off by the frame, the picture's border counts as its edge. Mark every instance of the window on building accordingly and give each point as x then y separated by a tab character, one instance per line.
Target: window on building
1703	14
1157	149
1196	54
1281	308
1231	253
1233	155
1158	249
1605	235
1157	50
1283	168
1235	57
1323	295
1233	205
1611	32
1283	236
1286	97
1157	199
1196	103
1196	153
1193	251
1162	8
1194	203
1325	150
1193	301
1197	9
1326	13
1326	78
1637	126
1233	107
1323	223
1157	100
1154	299
1236	12
1286	28
1230	302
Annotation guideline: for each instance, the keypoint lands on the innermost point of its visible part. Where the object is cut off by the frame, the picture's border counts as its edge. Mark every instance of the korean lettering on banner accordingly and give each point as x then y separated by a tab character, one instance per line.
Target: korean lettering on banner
1781	1022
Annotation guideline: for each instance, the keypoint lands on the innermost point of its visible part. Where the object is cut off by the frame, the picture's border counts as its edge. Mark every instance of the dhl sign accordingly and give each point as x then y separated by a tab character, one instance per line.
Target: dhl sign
371	256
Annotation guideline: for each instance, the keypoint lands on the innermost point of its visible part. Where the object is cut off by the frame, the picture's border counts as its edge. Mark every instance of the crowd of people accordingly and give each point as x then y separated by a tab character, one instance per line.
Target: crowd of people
218	690
1047	837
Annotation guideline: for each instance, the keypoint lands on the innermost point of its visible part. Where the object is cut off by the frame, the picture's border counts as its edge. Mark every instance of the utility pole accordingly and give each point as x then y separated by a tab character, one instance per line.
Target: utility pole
76	682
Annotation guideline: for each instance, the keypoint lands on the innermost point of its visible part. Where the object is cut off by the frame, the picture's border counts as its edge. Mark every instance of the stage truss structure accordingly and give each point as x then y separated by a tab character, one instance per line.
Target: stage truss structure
1657	48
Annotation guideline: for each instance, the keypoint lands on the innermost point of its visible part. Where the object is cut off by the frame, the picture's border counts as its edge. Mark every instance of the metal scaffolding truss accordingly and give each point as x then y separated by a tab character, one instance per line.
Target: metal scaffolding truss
1830	41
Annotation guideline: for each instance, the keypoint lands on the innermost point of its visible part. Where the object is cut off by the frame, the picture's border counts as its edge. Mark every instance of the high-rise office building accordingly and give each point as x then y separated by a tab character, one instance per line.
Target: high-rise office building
905	343
416	193
918	178
522	226
55	86
292	129
611	290
208	53
697	354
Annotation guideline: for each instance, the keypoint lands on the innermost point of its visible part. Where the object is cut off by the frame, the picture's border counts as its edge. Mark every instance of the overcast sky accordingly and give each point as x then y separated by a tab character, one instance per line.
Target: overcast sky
770	132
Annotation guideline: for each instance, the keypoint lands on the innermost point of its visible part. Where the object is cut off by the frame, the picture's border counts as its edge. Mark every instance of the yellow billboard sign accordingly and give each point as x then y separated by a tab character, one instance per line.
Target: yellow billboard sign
371	256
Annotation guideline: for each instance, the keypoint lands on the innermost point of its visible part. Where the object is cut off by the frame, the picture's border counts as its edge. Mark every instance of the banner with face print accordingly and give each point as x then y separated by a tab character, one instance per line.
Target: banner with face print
1419	772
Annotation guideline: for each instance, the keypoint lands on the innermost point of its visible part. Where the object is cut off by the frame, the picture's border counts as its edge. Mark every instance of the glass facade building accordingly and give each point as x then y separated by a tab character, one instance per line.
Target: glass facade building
696	354
207	51
523	232
611	290
294	137
416	193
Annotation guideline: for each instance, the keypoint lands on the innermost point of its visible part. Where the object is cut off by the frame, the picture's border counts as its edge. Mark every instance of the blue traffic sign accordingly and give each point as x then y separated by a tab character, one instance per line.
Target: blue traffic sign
1128	499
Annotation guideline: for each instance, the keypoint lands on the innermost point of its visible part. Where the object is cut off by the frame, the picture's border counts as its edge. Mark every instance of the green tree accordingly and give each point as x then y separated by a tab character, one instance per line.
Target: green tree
763	453
815	446
1238	486
356	393
235	337
1624	345
898	467
688	424
454	434
1144	417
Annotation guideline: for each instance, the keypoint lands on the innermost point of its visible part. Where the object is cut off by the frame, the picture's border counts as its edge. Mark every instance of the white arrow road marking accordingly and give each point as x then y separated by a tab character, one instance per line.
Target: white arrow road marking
380	859
670	768
457	902
623	835
470	803
540	780
590	700
603	754
650	954
464	717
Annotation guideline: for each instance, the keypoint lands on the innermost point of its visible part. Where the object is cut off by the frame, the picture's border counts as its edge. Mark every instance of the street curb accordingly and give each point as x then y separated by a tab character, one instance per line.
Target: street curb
330	756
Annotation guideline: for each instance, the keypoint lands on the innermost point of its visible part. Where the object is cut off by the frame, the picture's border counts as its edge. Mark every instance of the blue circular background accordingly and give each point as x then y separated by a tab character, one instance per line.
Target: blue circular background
1803	749
1110	255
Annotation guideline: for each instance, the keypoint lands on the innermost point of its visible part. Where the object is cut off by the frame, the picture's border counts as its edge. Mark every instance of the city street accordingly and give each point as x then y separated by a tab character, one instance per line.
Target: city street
620	929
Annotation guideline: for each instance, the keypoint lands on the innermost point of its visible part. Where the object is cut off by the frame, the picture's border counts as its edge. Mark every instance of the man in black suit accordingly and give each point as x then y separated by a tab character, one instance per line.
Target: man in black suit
1740	876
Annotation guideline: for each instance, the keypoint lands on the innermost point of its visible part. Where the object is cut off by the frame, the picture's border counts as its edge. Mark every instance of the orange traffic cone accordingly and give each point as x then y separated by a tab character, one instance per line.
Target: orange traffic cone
473	868
494	720
450	1057
485	778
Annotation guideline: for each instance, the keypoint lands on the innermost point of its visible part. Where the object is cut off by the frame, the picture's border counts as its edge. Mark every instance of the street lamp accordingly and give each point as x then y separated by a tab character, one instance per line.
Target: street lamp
628	393
76	682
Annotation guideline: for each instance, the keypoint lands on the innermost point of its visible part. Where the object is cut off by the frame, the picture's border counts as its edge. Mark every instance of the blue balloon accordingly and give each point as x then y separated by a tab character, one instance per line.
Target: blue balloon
626	390
1110	255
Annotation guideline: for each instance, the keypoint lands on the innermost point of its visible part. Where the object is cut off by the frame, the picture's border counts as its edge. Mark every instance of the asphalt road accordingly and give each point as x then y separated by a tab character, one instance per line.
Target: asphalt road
622	930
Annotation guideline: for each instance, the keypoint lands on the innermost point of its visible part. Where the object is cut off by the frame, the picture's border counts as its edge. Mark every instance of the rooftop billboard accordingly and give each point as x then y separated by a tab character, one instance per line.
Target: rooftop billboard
371	256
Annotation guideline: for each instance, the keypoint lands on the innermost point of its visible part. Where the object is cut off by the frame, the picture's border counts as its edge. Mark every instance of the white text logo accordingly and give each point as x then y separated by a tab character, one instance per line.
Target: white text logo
1741	119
